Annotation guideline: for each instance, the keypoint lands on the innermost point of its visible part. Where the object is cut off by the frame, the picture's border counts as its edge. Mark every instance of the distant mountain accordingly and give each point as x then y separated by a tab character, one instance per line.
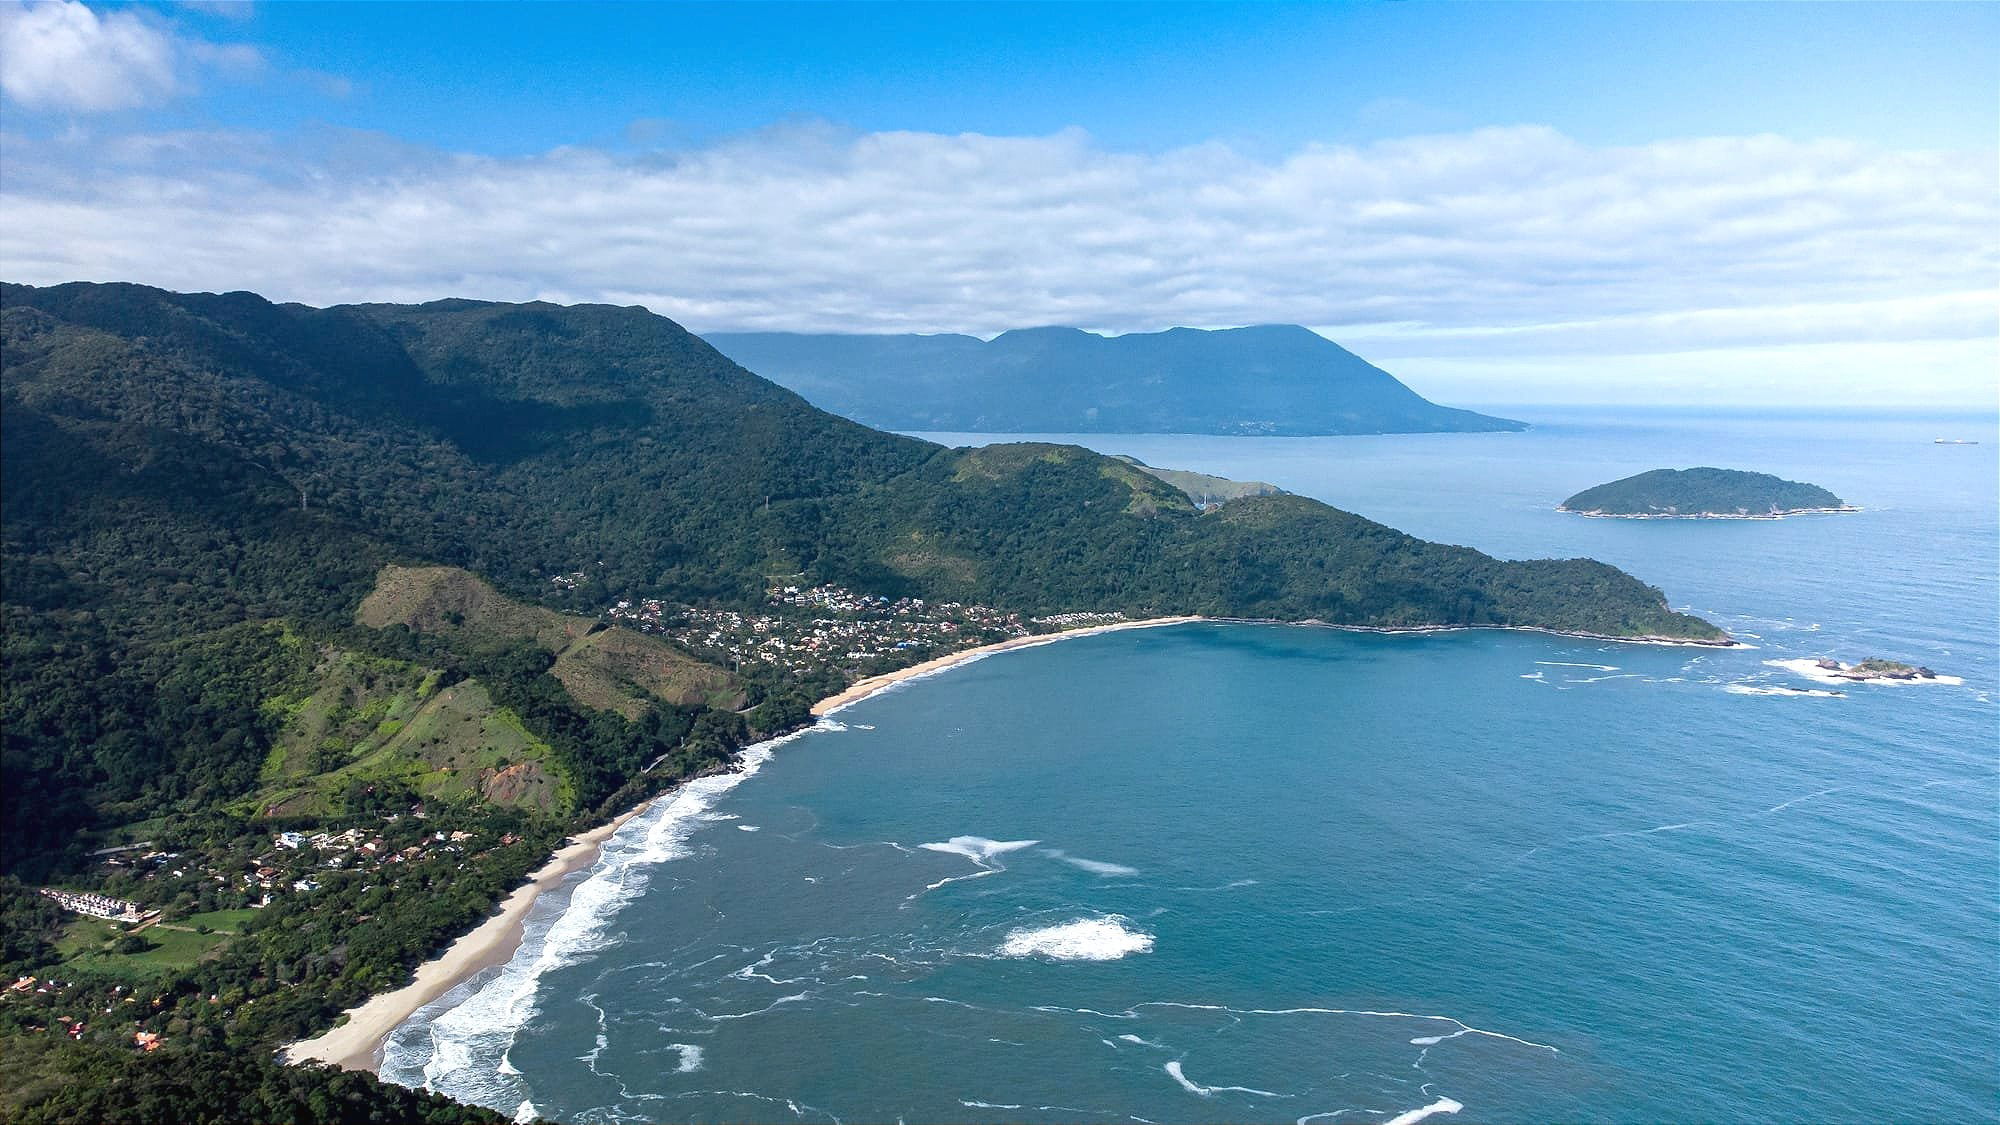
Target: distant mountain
1703	494
1271	379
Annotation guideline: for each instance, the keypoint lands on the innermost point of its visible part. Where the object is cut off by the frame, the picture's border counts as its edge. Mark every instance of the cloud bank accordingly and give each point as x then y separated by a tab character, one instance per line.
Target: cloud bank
62	55
1509	247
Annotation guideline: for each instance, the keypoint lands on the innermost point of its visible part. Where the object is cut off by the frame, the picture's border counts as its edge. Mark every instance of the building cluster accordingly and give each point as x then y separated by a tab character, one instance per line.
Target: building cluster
99	906
355	848
1077	620
46	994
289	865
808	630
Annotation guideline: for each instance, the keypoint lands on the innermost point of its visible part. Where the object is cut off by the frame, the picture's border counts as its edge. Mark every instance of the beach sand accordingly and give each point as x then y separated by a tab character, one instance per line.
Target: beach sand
357	1043
864	688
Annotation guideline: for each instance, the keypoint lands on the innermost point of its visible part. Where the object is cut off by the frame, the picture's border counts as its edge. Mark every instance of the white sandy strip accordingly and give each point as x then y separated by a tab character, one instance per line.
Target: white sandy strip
357	1043
865	688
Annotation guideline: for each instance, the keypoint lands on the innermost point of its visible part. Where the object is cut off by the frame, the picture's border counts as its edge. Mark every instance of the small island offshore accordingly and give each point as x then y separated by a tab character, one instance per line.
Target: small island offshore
1703	493
1873	670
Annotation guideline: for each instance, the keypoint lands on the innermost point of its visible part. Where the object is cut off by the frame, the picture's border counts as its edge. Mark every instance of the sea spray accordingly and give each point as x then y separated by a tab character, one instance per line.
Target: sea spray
1086	939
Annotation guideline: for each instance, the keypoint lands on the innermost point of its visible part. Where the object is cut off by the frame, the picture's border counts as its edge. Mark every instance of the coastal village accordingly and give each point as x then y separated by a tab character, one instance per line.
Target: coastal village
807	629
160	911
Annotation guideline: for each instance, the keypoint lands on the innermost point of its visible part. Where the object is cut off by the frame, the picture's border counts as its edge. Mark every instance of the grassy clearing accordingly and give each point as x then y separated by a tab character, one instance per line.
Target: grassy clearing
221	921
454	745
363	720
90	944
607	668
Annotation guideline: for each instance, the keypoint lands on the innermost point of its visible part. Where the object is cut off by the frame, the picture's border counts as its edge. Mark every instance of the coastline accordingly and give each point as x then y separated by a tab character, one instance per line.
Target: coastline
1596	515
1394	630
862	689
357	1043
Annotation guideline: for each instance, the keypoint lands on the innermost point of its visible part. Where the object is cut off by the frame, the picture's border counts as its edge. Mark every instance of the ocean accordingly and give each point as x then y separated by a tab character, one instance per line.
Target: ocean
1264	873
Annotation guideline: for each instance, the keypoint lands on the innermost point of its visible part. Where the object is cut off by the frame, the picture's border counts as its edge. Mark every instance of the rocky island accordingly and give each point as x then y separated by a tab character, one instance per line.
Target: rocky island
1874	670
1703	493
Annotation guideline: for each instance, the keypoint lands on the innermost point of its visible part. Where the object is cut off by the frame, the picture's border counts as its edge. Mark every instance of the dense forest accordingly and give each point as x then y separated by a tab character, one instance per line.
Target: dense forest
199	492
1701	492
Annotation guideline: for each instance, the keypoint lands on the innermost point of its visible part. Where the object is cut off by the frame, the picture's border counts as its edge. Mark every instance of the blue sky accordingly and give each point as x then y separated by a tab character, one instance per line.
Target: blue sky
513	78
1583	202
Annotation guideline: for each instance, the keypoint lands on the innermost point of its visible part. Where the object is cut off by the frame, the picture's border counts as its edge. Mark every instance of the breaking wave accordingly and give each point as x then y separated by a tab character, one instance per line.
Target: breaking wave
458	1045
1087	939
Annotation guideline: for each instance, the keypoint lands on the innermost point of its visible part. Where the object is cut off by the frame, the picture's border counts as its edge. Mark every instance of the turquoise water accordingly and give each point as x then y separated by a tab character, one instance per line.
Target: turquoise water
1263	873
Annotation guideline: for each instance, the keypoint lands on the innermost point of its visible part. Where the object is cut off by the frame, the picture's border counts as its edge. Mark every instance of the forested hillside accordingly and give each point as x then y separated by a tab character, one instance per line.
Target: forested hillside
178	465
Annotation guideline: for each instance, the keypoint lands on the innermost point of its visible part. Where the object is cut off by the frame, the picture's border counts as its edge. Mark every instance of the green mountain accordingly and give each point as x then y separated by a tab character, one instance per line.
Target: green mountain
181	464
1270	379
268	567
177	464
1696	493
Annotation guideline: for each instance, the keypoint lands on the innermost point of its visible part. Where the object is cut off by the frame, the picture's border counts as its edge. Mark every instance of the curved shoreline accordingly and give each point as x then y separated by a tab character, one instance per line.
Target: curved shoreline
862	689
358	1042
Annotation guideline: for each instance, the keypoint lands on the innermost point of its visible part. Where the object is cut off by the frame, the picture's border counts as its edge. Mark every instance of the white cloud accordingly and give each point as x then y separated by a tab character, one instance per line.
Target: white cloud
1497	246
63	55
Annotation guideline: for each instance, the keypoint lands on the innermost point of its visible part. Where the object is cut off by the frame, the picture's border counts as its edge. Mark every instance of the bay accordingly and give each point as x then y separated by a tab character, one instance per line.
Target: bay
1272	873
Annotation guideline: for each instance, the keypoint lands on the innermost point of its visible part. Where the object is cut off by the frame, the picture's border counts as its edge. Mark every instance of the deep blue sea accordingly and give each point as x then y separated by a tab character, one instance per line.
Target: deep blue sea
1259	873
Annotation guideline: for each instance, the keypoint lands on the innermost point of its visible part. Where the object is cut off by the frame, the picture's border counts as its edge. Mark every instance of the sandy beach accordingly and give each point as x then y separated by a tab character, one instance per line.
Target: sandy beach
862	689
357	1043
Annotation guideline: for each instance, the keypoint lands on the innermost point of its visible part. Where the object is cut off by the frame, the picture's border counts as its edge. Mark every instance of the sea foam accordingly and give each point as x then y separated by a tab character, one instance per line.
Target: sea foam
1087	939
1094	866
1442	1105
1191	1086
459	1046
1811	670
1768	689
978	849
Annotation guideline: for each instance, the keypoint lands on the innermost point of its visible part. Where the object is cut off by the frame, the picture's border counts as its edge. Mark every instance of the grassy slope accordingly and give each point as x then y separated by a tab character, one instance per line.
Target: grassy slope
1205	489
366	719
609	668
